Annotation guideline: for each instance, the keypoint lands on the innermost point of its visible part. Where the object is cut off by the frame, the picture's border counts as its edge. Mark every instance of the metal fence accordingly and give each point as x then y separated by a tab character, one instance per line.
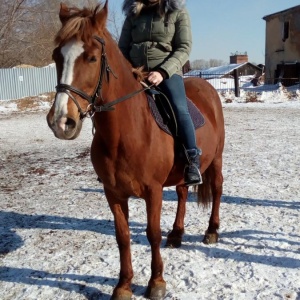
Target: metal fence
225	82
18	83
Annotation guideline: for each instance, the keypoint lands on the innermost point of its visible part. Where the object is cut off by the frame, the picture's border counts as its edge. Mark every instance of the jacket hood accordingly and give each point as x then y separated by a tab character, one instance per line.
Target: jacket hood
131	7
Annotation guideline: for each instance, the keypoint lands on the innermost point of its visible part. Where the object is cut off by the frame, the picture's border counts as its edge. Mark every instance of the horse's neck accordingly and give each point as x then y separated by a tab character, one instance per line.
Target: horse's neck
128	118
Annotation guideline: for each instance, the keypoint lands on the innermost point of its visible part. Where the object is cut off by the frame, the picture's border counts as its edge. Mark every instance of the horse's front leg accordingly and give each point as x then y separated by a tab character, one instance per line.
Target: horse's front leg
119	208
175	236
156	286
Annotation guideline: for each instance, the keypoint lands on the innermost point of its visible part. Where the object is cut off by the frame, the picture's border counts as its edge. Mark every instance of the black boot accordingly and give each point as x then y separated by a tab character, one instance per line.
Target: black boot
192	174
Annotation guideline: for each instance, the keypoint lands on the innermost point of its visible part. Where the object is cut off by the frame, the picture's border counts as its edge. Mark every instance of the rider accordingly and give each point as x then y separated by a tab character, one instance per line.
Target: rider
157	35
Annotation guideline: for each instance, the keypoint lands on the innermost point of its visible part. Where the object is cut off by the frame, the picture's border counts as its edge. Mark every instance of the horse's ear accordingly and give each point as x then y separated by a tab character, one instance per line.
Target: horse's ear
64	12
101	16
106	5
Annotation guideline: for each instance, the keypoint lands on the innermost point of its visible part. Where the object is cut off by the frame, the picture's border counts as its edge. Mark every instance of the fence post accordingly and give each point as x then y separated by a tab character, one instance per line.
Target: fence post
236	83
298	67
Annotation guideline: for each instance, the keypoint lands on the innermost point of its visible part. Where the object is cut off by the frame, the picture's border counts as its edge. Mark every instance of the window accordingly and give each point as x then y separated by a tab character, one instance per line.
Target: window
285	31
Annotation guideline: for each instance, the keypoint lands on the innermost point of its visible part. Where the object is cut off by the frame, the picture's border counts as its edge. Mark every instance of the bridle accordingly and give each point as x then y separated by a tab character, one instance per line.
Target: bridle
104	74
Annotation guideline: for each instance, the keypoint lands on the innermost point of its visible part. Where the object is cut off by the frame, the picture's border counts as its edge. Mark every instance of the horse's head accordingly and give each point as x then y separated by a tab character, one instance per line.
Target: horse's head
79	63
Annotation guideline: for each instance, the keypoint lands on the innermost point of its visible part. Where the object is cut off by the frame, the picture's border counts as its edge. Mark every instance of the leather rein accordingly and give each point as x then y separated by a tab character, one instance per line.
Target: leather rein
104	74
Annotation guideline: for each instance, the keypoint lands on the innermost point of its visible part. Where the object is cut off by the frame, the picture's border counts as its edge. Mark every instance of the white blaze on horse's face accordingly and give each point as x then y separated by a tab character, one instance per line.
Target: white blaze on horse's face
70	52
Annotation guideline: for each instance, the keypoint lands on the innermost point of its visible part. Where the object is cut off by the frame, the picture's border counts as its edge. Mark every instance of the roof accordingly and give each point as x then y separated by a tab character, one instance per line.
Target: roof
218	72
266	18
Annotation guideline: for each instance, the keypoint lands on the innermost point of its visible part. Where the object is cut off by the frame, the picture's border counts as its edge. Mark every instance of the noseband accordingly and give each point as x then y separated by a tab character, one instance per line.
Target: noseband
104	73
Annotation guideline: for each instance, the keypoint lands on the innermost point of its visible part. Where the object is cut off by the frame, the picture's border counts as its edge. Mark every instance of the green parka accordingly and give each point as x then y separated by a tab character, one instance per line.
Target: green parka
156	42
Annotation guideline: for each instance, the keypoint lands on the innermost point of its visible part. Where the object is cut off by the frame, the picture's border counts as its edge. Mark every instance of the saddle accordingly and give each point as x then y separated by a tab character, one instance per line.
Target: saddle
164	116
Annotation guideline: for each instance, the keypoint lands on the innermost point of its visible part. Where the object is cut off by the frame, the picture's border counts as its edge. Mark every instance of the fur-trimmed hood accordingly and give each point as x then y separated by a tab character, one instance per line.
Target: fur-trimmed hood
132	7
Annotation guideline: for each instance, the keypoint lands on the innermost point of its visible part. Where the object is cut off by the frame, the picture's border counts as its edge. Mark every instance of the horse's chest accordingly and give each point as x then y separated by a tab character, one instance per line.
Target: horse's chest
118	175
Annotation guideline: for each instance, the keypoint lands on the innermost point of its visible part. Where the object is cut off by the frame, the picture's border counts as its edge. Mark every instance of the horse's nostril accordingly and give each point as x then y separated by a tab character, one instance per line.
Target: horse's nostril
70	124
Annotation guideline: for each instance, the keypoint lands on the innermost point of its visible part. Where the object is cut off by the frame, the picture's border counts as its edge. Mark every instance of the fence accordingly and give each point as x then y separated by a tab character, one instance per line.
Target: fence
25	82
18	83
225	82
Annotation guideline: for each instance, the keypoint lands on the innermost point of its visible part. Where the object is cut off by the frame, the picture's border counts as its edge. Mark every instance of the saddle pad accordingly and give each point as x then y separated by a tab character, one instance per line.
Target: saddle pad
196	115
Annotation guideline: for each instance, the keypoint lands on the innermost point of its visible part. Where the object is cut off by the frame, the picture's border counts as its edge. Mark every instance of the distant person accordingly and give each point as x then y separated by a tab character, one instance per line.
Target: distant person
157	35
256	79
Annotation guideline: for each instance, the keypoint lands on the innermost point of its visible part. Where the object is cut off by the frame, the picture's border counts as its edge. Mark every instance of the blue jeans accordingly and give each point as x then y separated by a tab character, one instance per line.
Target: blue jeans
173	88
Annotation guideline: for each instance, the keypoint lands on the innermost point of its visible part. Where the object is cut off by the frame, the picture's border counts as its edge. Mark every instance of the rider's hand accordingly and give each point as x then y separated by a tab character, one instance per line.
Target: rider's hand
155	78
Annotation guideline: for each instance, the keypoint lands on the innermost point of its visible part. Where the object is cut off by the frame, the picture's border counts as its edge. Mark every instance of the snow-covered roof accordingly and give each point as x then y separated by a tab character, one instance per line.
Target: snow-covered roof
217	72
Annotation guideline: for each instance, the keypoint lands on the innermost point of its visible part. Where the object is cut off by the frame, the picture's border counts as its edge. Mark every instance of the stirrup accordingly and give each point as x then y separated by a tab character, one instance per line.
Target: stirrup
193	182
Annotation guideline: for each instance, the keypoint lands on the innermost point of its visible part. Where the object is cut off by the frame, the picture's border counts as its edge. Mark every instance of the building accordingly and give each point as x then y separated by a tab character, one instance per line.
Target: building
238	58
243	69
224	77
282	49
238	63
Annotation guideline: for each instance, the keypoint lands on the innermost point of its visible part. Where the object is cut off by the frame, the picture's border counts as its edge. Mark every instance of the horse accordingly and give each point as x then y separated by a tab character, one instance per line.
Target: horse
130	154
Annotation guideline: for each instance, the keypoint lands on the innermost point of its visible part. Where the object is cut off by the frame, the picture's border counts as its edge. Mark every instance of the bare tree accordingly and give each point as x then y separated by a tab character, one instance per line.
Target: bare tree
28	28
115	22
216	63
12	13
201	64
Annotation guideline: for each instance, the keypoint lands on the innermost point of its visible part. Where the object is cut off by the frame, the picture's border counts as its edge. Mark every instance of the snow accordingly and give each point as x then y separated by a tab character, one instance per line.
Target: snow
57	233
6	106
245	84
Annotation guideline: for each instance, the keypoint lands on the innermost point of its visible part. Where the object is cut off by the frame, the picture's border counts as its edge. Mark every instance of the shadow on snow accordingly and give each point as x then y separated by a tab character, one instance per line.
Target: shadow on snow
10	221
10	241
171	195
80	284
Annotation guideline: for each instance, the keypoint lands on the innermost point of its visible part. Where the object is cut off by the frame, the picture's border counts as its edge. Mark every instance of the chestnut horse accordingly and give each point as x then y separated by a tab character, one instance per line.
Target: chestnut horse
130	153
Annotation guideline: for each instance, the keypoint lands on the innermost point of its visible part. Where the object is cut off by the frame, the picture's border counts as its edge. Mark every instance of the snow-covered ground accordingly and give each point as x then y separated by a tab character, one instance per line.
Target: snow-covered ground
57	233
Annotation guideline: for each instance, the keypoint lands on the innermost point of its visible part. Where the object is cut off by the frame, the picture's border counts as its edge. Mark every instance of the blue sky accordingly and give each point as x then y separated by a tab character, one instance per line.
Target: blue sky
222	27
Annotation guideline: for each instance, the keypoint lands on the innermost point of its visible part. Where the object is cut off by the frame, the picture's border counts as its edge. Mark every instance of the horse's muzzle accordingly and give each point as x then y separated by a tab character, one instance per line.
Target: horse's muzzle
65	128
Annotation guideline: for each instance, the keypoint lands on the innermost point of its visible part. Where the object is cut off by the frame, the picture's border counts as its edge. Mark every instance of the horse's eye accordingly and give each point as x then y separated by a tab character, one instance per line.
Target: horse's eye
92	59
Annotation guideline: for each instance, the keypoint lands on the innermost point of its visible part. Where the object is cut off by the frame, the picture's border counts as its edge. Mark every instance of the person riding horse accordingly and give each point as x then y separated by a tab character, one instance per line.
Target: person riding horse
93	77
156	35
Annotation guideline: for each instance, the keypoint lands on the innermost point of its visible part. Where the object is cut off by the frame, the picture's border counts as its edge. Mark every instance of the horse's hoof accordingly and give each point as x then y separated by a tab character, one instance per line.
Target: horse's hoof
210	238
121	294
156	292
174	238
173	242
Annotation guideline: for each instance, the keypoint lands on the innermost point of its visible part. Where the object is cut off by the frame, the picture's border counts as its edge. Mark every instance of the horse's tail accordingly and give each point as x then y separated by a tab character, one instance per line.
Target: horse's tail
204	193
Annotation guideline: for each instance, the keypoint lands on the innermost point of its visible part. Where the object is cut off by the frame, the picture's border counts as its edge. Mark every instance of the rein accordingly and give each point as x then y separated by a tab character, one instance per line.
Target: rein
104	74
109	106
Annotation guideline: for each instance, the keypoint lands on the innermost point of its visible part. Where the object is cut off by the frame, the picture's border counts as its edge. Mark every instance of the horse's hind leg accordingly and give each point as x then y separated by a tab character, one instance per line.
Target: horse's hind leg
156	286
216	182
174	238
119	208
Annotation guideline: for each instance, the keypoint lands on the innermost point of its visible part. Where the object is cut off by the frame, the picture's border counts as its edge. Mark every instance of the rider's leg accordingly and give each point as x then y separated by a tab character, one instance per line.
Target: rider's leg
174	89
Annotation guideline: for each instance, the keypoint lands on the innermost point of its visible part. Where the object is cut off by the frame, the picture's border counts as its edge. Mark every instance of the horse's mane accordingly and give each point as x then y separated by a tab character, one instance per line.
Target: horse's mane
139	74
79	25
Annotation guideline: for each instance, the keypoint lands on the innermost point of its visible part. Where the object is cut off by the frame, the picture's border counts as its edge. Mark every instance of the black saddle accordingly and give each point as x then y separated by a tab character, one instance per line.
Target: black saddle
163	113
